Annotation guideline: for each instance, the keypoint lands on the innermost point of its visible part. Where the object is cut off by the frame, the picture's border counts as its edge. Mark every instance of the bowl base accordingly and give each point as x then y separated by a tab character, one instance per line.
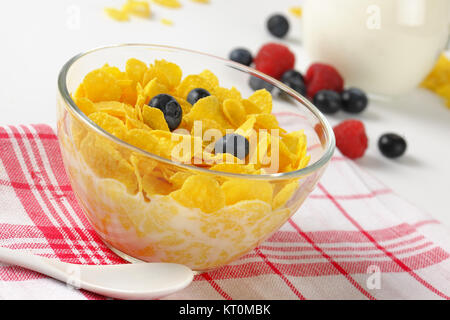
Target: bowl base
124	256
131	259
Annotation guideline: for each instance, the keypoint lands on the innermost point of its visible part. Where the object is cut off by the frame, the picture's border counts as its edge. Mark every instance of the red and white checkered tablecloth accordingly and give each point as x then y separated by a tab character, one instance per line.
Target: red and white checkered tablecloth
352	239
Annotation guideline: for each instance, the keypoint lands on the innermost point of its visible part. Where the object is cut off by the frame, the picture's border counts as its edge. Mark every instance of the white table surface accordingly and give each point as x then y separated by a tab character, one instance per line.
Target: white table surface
37	37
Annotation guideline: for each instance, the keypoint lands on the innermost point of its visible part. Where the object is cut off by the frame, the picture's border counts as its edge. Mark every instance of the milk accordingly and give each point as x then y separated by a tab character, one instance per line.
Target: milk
382	46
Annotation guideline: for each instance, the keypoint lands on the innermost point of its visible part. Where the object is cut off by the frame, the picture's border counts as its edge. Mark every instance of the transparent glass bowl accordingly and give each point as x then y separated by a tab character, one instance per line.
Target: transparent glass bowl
157	227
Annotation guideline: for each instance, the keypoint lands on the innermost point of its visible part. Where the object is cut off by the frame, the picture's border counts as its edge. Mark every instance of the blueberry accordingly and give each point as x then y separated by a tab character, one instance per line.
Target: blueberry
173	114
328	101
354	100
392	145
159	101
278	25
170	107
258	83
242	56
294	79
234	144
196	94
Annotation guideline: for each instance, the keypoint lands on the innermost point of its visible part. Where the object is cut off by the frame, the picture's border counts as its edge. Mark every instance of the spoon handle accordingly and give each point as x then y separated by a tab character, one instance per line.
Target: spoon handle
49	267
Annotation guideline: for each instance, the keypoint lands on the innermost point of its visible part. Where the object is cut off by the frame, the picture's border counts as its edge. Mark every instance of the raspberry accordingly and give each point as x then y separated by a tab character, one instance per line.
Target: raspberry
321	76
351	138
274	59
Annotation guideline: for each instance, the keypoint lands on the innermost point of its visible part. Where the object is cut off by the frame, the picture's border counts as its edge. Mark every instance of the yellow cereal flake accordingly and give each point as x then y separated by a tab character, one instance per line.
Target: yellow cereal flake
201	1
250	107
109	123
85	105
296	11
267	121
115	73
177	180
223	93
263	100
286	157
171	71
201	192
154	118
137	8
117	14
135	69
80	92
207	108
210	77
166	22
152	185
247	127
438	80
284	195
167	73
212	159
116	109
107	162
168	3
205	129
131	7
153	88
185	106
234	111
234	168
191	82
101	86
142	139
236	190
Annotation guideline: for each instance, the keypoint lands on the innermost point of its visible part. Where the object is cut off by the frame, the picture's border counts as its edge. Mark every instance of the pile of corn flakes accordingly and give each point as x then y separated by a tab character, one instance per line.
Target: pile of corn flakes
130	8
118	101
438	80
296	11
141	8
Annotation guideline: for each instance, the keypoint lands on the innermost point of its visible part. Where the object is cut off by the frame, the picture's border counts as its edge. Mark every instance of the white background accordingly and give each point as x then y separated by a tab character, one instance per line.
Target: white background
37	37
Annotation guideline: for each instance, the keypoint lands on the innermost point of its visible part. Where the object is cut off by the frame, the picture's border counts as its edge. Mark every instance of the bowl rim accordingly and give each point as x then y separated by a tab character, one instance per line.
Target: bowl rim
324	159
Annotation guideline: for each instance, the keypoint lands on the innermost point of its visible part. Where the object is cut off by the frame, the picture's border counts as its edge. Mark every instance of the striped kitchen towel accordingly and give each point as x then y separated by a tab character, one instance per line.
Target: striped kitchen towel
352	239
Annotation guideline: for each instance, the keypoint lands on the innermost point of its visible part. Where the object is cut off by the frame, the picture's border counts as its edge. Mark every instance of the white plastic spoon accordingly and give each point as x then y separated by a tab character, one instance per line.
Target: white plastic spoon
122	281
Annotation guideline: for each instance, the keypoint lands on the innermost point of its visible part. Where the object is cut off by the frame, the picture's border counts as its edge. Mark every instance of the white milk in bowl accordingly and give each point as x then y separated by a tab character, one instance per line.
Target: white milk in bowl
383	46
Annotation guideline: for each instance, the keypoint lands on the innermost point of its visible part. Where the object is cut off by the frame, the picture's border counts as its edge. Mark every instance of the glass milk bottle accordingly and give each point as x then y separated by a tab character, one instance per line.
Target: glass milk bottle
386	47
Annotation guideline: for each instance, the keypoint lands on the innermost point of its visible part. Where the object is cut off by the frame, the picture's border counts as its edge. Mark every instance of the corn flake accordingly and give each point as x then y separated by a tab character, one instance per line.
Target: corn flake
168	3
107	162
166	22
109	123
223	93
201	192
117	14
154	118
85	105
137	8
263	100
101	86
234	112
210	77
284	195
191	82
236	190
207	108
296	11
135	69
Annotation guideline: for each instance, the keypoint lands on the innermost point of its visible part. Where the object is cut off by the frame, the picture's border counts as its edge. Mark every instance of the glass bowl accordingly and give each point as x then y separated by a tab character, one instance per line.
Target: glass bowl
107	174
